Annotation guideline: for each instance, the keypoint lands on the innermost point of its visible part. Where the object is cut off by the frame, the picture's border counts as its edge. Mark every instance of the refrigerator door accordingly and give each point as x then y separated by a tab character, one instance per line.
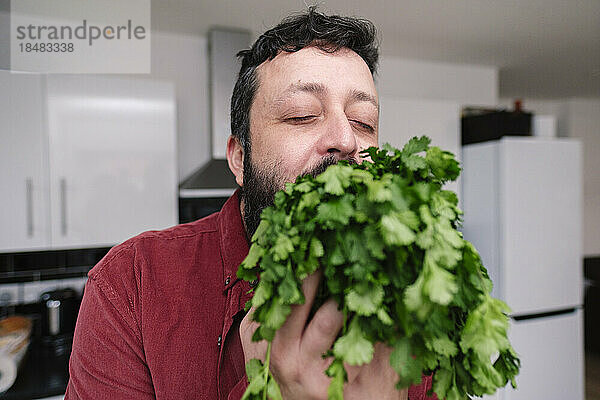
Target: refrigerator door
540	199
551	352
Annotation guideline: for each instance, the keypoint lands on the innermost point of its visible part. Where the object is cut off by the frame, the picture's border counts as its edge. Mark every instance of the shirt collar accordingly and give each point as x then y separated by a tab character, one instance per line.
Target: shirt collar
233	242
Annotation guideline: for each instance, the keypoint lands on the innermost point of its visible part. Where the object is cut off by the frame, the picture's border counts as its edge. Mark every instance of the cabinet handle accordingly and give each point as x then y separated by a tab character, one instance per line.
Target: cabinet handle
29	195
63	206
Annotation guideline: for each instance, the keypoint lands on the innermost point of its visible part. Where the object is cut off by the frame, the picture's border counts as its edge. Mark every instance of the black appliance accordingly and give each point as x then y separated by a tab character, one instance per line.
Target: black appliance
193	208
481	125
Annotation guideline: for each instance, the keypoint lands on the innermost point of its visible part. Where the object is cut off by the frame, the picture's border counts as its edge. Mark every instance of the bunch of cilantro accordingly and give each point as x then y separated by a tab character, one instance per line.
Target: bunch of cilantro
385	235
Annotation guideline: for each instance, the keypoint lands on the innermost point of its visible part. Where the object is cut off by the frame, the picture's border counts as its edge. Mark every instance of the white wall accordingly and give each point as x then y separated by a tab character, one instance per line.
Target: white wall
464	84
584	122
579	118
183	60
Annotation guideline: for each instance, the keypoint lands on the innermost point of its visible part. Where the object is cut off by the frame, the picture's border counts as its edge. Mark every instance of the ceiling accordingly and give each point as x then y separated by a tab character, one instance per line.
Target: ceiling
543	48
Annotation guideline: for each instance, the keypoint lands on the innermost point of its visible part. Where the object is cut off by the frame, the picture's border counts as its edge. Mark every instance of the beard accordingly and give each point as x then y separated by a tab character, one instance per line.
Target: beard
261	185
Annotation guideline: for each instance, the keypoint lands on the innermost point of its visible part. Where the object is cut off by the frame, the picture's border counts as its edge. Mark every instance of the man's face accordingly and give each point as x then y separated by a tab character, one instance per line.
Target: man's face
311	110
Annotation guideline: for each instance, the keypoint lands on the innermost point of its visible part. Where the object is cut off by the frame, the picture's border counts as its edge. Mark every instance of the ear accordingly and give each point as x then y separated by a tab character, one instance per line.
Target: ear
235	159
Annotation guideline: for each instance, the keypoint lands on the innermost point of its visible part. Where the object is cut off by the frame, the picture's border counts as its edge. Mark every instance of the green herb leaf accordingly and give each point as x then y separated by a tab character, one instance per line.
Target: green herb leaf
364	299
395	232
353	347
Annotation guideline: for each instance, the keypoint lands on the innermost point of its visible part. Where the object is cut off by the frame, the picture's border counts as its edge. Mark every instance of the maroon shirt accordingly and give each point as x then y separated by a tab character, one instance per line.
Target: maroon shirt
160	315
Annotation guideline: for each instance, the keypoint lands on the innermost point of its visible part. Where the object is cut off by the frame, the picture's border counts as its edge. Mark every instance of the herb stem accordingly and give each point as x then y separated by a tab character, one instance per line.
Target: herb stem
267	360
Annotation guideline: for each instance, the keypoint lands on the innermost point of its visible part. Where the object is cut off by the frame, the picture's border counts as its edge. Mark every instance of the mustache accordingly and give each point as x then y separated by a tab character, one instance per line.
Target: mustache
325	163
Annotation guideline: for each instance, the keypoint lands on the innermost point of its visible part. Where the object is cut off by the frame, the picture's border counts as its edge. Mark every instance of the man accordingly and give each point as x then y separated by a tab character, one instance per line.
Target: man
162	315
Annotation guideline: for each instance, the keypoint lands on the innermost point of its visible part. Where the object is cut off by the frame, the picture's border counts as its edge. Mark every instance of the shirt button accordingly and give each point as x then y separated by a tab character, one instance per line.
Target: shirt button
227	281
253	283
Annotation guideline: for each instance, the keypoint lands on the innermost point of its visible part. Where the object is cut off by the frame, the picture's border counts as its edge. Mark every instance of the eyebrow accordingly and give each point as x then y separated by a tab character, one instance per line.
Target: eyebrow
320	89
359	95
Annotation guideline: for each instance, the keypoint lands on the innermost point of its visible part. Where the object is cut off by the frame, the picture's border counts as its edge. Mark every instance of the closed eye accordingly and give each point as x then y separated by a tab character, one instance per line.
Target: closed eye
303	118
363	125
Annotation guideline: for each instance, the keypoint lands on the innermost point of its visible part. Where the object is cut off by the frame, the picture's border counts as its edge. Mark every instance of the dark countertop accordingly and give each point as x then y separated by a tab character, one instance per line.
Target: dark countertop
42	374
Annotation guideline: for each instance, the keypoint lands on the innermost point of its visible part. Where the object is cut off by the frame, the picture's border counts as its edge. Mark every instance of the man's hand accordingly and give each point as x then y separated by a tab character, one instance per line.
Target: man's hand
296	354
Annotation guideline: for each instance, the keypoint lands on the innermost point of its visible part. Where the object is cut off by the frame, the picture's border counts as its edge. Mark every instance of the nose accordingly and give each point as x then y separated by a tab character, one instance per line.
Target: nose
338	138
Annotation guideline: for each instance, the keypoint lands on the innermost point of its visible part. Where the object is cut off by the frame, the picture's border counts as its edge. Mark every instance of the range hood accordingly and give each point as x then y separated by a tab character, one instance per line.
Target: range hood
214	179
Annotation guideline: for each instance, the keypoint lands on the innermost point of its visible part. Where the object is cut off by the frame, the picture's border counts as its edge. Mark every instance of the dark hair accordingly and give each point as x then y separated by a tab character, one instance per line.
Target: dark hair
327	32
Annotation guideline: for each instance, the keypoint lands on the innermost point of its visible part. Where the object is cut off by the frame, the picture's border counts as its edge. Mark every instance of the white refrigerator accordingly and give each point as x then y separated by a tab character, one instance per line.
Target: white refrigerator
522	199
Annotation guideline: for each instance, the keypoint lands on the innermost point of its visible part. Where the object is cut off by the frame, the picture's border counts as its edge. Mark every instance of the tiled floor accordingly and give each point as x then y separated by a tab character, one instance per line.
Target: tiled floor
592	376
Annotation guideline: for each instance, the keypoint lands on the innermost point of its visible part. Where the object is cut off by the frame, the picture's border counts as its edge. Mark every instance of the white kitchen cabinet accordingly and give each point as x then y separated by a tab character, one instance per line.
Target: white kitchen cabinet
23	163
112	158
105	150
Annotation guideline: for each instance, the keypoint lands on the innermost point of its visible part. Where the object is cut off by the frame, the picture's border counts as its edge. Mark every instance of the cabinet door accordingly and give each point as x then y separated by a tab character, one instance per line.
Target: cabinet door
112	158
23	211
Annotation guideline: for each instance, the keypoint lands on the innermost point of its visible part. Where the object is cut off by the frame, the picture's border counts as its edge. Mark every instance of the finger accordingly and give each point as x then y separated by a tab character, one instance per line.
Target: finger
322	330
352	371
379	366
381	359
251	349
381	356
376	377
292	328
